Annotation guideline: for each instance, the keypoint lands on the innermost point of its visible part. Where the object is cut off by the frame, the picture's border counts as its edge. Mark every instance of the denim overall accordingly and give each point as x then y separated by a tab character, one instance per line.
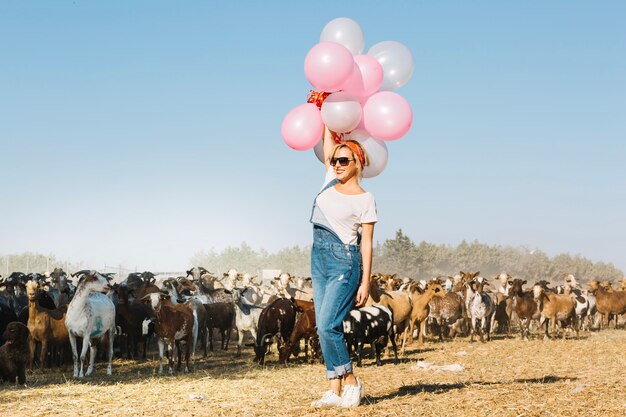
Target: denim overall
336	272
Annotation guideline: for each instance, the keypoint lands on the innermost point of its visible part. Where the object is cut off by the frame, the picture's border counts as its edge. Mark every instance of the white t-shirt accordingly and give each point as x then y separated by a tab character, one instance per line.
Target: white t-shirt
346	212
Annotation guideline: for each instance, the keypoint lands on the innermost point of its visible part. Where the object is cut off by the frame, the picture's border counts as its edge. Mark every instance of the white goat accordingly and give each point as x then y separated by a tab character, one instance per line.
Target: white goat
246	317
480	308
303	289
229	279
90	315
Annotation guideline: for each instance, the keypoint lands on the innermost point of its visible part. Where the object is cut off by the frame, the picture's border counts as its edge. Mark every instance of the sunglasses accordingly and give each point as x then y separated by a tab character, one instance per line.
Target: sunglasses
343	161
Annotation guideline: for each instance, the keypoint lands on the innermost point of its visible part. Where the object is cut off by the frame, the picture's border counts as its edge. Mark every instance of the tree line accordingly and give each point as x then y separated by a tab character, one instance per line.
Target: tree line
28	262
399	255
422	260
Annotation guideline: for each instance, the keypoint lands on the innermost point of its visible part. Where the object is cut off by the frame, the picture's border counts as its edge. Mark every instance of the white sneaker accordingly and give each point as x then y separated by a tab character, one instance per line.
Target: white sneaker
352	394
329	399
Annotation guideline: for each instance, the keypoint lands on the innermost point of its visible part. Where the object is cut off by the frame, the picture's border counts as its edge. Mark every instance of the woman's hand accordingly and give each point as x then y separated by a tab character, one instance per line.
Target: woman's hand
362	294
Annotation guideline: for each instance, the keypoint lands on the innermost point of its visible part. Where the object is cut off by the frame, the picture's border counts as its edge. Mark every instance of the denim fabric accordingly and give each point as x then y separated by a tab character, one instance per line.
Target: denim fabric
336	272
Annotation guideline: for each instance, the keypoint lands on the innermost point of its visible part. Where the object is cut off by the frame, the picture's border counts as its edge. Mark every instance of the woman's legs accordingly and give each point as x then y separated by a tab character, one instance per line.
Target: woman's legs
338	300
336	274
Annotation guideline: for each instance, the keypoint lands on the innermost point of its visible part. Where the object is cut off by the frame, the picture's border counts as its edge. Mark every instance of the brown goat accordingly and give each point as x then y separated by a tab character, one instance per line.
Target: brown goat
173	324
525	306
45	326
608	302
556	307
399	302
220	316
421	308
303	329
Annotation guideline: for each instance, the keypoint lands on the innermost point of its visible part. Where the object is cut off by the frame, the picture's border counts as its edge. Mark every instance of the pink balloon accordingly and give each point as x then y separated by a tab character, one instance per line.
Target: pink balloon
371	73
328	65
387	116
302	127
366	77
354	83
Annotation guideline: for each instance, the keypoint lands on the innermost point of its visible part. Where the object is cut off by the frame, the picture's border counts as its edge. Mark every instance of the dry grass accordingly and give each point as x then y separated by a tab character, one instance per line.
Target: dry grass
505	377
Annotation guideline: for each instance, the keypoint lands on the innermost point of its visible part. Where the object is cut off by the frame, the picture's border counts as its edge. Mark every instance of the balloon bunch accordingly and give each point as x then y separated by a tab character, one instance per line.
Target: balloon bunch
354	97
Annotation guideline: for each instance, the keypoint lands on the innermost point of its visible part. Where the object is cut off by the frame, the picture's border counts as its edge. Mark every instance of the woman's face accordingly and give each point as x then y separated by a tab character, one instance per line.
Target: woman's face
345	173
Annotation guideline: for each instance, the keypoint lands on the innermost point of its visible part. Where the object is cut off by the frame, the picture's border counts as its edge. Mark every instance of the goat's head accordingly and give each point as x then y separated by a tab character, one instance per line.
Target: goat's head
436	288
516	287
503	279
147	276
466	276
94	282
155	300
31	290
185	286
299	282
415	287
247	279
207	280
538	291
231	274
570	280
196	272
229	279
284	279
123	292
170	283
389	281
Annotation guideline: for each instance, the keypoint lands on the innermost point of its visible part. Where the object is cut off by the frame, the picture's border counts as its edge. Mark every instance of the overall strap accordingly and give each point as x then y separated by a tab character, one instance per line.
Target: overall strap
331	183
326	187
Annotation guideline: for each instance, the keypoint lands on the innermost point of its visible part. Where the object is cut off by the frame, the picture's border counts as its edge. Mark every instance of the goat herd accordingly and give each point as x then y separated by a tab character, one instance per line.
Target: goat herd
43	316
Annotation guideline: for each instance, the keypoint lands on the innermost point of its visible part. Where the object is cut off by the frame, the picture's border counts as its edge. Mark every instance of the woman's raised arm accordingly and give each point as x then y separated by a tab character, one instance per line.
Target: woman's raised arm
328	144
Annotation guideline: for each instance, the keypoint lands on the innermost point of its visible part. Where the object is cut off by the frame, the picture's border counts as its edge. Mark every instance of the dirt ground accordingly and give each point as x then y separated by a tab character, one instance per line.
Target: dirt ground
504	377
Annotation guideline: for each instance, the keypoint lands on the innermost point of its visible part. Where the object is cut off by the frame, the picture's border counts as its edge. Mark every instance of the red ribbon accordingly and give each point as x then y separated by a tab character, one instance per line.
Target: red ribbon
356	149
317	98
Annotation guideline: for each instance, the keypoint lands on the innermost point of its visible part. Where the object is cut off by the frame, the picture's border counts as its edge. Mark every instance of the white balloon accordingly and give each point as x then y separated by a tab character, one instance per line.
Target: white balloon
376	151
346	32
397	62
319	150
341	112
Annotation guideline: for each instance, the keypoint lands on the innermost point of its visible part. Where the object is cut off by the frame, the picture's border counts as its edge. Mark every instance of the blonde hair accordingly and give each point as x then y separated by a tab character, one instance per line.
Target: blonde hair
357	161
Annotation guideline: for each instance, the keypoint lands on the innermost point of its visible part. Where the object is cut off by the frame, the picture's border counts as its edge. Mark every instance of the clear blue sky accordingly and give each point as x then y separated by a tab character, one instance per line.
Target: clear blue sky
140	132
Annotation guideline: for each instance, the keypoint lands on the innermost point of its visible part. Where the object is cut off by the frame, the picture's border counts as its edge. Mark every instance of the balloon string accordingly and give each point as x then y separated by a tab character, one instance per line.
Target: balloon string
317	98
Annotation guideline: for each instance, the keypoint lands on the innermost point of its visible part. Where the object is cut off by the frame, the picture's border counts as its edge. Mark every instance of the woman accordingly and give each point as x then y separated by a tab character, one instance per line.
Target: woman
341	260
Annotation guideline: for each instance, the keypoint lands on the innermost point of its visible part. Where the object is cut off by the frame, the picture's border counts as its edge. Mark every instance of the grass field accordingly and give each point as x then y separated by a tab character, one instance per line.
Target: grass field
505	377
